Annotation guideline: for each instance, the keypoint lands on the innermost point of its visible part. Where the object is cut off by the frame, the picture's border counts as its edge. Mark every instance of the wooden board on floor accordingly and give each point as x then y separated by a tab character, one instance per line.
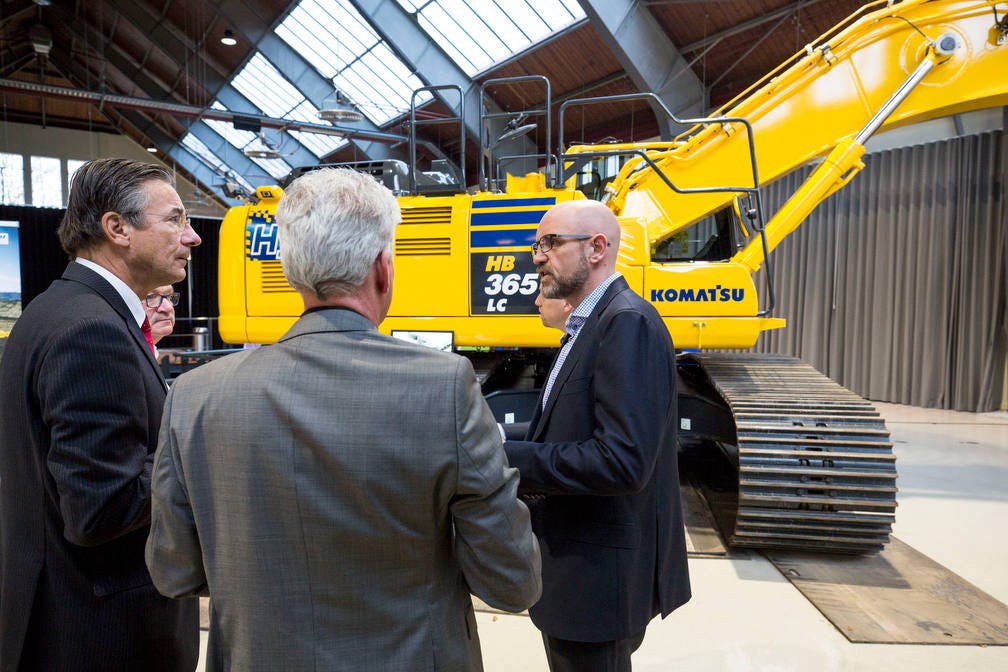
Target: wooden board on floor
702	537
898	596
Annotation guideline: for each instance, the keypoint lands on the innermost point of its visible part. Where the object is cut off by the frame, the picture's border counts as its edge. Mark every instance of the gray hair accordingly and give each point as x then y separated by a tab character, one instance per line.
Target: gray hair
101	186
333	223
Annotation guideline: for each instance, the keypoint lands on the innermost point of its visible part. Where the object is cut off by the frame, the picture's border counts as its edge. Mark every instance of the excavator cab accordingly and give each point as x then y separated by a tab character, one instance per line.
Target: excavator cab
715	237
595	173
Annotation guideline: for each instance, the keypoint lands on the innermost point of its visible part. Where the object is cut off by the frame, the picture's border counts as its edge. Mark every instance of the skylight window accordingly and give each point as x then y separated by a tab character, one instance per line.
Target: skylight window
343	47
268	90
277	168
197	147
320	145
477	34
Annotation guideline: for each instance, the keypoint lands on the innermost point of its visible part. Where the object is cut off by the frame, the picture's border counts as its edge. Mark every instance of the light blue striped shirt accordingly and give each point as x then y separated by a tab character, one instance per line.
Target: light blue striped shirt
572	328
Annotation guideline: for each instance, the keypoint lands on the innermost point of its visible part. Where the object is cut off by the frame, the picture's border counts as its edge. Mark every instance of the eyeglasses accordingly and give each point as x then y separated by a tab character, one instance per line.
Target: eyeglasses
154	300
180	220
548	242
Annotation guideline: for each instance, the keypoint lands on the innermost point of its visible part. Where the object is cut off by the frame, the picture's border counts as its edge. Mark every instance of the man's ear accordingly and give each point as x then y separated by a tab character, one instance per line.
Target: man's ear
117	229
599	243
383	271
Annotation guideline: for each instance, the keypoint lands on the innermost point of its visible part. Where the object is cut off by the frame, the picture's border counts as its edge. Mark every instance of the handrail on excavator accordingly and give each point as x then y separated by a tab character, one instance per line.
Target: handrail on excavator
645	160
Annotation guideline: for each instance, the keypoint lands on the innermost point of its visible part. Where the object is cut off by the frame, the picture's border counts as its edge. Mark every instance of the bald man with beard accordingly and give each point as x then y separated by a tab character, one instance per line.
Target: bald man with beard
598	465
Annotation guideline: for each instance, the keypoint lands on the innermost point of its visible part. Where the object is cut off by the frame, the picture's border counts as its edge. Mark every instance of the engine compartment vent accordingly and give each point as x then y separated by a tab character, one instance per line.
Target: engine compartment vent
440	215
422	246
273	280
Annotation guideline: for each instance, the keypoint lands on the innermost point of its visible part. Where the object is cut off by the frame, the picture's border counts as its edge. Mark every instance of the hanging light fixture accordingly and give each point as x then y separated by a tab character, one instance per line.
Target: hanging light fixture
265	149
228	38
339	108
515	128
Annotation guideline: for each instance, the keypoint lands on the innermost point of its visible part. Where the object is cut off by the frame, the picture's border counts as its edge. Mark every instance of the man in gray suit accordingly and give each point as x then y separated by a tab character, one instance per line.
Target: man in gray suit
340	493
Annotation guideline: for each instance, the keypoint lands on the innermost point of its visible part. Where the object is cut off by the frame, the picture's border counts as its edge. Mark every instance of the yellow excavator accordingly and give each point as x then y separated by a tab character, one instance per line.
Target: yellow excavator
802	462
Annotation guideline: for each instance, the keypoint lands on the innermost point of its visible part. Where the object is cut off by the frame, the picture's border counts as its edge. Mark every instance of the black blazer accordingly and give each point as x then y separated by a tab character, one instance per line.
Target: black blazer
599	468
80	408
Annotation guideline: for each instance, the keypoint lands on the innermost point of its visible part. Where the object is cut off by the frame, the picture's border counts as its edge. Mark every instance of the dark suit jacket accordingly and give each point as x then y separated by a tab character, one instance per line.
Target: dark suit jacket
80	408
603	456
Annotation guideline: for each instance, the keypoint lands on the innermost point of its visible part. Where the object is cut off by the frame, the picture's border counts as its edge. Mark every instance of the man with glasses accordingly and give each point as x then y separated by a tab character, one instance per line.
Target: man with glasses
160	308
80	407
598	463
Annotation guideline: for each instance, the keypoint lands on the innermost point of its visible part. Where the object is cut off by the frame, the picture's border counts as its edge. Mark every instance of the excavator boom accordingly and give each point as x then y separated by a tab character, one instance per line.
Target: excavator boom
834	88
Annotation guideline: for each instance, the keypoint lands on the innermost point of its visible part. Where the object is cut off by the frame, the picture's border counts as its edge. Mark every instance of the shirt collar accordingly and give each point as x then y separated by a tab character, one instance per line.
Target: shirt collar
584	309
132	300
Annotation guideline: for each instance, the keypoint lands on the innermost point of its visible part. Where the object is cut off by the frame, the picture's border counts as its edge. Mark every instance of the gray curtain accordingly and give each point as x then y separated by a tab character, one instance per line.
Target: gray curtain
896	286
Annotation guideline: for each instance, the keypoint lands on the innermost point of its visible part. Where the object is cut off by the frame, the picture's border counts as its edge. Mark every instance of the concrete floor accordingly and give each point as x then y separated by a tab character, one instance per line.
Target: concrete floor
745	617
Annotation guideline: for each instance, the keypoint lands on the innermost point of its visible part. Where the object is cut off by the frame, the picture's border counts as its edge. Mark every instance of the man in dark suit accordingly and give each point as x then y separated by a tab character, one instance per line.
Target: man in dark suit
598	464
340	493
80	408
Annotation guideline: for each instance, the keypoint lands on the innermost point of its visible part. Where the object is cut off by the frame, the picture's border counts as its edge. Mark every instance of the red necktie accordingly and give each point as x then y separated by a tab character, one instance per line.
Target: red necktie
145	328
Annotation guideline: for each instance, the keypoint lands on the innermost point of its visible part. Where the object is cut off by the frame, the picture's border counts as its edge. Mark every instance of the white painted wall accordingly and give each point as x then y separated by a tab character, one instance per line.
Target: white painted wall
65	144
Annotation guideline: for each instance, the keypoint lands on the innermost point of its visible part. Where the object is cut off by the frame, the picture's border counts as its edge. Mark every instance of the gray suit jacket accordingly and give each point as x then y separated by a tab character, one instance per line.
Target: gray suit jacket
339	494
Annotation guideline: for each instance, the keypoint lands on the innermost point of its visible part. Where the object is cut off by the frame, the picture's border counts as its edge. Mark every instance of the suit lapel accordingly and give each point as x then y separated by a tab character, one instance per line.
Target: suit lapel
82	274
581	345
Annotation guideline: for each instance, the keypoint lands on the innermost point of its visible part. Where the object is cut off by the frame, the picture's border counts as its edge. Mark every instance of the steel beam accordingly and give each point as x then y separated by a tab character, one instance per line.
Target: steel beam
203	175
157	90
170	40
161	138
653	63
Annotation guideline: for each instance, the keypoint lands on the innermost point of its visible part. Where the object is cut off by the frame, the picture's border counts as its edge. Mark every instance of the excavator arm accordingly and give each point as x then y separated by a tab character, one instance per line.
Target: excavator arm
889	65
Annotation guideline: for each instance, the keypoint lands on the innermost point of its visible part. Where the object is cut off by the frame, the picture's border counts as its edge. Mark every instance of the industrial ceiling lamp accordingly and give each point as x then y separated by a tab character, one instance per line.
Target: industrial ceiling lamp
228	38
515	128
41	39
233	189
339	108
265	150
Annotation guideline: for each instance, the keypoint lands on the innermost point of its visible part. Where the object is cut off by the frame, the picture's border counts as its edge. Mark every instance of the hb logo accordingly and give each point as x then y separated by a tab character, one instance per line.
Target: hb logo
262	243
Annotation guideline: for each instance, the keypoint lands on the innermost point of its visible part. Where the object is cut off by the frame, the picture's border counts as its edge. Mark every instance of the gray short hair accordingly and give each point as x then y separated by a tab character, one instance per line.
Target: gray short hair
333	223
101	186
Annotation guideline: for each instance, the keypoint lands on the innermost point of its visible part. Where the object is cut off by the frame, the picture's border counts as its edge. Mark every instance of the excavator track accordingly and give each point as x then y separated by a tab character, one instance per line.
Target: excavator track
815	464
